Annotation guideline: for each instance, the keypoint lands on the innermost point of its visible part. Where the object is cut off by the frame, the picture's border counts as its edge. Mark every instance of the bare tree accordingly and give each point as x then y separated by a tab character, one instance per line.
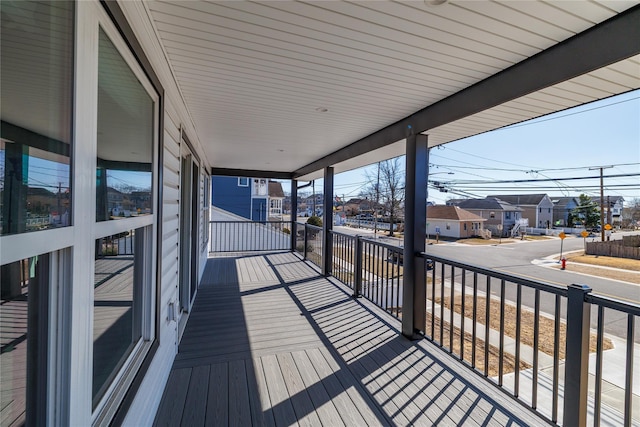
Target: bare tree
386	187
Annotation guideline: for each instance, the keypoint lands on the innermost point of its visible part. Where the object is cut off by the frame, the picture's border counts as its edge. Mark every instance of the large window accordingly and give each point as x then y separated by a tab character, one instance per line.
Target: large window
124	247
36	47
125	139
83	279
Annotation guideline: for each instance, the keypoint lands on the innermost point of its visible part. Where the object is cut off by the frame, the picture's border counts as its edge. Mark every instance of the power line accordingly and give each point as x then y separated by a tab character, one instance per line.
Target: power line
515	181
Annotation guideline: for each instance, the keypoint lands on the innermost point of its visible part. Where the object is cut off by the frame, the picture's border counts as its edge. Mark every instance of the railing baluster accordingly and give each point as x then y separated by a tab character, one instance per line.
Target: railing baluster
357	286
397	290
463	312
501	361
305	241
628	384
536	339
516	380
475	320
487	327
451	309
442	267
599	349
378	266
433	302
556	360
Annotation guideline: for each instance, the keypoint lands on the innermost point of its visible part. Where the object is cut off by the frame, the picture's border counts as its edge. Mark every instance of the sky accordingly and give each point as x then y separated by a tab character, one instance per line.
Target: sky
554	147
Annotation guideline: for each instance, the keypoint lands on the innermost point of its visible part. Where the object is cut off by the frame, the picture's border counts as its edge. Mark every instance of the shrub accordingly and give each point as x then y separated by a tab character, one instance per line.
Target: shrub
315	220
286	230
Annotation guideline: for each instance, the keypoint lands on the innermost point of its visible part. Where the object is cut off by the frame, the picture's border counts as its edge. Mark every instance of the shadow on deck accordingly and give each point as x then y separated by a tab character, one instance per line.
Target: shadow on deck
271	342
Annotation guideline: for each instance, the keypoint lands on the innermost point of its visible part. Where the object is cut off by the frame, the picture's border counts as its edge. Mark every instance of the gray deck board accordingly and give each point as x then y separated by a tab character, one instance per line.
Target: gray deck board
282	408
195	406
300	399
172	405
217	396
238	394
323	403
270	342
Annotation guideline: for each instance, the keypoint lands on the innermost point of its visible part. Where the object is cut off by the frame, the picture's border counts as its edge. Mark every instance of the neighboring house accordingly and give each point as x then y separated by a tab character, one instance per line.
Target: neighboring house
257	199
562	207
453	221
613	206
358	206
497	212
306	205
536	208
455	202
276	200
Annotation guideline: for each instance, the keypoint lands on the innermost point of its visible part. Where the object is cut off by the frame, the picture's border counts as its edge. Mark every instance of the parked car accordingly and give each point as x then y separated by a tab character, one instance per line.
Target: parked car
398	258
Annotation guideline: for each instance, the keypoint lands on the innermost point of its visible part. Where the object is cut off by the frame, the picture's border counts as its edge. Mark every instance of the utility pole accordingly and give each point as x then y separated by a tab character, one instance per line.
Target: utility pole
601	199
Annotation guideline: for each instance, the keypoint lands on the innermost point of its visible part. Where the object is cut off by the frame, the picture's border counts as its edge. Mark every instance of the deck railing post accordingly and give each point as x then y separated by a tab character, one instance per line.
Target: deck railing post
414	290
357	285
294	214
576	376
327	223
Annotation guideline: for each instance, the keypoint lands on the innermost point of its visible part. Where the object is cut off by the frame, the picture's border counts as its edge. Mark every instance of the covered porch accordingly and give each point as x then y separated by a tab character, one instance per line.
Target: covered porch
270	341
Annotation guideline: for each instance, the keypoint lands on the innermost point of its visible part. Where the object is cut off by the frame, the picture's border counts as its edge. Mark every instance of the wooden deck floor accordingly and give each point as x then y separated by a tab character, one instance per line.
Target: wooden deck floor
271	342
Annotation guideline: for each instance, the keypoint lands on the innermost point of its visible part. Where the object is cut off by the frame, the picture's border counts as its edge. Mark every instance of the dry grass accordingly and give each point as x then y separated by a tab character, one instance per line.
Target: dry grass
629	269
528	237
605	261
546	325
477	241
508	360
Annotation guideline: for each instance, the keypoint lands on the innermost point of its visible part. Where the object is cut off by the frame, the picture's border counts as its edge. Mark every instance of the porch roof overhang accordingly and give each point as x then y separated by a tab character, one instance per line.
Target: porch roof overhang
284	89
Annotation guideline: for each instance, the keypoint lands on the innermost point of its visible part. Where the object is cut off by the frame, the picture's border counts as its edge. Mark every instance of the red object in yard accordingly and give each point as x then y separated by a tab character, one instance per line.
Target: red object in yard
564	263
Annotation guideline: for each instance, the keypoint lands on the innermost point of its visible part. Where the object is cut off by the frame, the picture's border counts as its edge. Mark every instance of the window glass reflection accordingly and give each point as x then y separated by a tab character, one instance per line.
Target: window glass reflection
36	69
23	340
117	317
125	139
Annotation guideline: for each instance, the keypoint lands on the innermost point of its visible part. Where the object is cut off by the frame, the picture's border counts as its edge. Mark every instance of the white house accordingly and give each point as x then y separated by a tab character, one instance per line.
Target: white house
453	221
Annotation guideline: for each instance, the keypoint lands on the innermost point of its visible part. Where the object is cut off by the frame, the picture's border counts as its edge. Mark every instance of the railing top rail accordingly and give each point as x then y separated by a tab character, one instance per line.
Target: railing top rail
248	222
547	287
348	236
607	302
370	240
388	246
313	227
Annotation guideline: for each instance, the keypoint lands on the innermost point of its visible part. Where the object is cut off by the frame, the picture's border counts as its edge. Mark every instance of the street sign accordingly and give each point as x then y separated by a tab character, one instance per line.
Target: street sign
562	235
607	227
584	233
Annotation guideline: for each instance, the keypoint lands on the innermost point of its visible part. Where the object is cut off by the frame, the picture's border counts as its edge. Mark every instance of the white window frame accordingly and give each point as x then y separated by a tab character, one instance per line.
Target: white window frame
243	182
260	187
90	17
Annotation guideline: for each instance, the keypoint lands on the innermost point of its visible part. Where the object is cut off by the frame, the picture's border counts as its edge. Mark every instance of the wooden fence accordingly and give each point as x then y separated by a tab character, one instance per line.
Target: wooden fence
614	249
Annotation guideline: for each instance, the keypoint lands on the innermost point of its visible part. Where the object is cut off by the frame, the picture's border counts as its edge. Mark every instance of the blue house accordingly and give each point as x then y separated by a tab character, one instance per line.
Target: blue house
562	207
257	199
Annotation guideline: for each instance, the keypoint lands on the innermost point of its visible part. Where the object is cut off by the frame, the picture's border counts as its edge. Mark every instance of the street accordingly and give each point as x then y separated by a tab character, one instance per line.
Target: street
517	258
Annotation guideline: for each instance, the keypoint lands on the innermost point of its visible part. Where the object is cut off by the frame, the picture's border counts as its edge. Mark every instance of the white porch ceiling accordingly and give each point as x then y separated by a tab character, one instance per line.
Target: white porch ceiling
256	75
